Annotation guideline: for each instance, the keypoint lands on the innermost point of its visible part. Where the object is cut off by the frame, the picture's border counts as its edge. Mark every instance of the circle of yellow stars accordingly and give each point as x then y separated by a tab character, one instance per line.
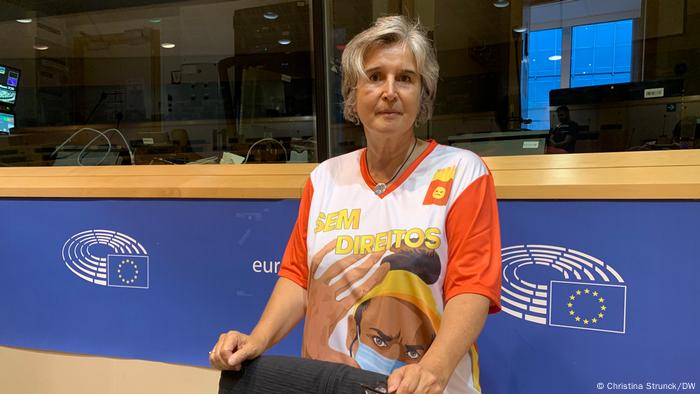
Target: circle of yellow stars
595	318
135	268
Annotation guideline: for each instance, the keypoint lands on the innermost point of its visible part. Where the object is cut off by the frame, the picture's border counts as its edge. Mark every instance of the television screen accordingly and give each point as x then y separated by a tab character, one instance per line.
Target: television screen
9	79
7	122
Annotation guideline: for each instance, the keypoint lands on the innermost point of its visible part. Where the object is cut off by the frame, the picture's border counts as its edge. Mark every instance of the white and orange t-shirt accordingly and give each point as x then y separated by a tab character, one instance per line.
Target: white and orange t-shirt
379	269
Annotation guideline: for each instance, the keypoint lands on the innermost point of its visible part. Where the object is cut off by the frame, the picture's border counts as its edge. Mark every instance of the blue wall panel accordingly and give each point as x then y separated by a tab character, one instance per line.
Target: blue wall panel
201	259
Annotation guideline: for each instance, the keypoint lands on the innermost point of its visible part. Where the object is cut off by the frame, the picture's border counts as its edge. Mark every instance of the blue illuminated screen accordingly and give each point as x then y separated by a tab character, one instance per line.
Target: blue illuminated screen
9	79
7	122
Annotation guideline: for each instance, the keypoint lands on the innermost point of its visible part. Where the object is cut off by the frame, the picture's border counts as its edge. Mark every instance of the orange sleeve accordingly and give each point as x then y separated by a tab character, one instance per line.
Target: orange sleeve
294	262
474	244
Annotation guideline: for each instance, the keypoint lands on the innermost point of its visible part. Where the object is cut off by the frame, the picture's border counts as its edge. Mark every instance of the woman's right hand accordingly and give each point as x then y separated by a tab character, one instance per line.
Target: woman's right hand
233	348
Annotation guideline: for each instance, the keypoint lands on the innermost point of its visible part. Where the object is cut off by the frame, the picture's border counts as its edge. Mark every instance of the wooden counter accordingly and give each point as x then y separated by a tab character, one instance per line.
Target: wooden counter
625	175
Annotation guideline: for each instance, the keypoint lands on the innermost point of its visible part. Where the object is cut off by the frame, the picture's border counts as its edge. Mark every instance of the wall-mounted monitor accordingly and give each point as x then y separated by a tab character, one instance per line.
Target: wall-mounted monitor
9	79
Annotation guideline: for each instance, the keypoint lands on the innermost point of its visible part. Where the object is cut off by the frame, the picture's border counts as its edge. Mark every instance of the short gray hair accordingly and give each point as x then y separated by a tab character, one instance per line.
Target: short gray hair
389	31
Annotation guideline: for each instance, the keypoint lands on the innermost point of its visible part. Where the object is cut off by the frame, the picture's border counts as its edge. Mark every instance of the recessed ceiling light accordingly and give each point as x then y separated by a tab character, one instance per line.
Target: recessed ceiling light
521	29
167	45
554	58
501	3
284	41
40	47
154	20
24	20
270	15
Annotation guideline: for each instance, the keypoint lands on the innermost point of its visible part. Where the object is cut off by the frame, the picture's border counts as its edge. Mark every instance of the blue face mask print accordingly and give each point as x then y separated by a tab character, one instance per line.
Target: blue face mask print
370	360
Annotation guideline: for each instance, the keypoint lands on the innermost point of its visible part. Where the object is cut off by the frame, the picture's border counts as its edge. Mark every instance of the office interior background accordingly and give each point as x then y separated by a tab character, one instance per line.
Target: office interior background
175	82
167	83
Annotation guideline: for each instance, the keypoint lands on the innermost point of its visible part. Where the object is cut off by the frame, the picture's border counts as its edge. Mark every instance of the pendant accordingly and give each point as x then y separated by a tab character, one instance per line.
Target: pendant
380	188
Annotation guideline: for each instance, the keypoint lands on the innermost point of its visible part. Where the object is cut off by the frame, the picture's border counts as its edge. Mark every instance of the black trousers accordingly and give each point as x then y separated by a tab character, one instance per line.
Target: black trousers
279	374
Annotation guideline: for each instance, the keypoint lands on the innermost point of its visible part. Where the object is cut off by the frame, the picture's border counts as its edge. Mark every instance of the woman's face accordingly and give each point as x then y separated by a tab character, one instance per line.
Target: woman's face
395	329
387	101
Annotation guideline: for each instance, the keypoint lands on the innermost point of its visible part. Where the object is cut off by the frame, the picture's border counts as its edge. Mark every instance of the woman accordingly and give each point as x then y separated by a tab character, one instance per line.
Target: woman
362	212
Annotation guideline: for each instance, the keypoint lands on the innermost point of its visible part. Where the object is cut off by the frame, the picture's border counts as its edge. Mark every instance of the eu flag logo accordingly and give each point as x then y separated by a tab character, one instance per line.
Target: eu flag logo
125	270
588	306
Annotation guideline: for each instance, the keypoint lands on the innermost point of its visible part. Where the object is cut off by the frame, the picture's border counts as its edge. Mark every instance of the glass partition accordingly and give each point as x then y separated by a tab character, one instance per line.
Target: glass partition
156	82
202	81
527	77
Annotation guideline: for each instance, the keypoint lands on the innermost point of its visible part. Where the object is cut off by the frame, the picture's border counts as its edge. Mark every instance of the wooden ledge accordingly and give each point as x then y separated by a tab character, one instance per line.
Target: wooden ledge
625	175
621	175
267	181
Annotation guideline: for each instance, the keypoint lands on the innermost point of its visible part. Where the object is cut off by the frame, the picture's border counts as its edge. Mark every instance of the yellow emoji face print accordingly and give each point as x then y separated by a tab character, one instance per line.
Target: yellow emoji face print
439	192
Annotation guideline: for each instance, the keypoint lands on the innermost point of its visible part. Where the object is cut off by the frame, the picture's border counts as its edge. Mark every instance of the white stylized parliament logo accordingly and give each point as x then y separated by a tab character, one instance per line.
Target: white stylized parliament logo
562	287
107	258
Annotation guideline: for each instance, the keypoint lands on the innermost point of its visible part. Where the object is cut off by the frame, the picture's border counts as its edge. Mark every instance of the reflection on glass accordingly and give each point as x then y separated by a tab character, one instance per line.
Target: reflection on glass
183	82
546	76
237	77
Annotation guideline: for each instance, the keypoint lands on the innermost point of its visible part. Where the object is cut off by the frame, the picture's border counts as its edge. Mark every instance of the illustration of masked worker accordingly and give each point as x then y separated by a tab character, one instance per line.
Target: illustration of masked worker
395	323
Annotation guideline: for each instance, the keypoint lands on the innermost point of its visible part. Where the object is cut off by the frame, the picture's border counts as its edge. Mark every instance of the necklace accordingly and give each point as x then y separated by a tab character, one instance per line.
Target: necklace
381	186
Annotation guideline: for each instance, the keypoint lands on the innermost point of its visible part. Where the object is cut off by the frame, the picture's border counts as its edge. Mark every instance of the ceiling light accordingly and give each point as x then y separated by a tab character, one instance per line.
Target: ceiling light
24	20
39	47
554	58
284	41
521	29
154	20
167	45
270	15
501	3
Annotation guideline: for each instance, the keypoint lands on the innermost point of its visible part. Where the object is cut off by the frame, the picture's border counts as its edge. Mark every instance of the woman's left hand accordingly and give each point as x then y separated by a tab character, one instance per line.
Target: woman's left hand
414	378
